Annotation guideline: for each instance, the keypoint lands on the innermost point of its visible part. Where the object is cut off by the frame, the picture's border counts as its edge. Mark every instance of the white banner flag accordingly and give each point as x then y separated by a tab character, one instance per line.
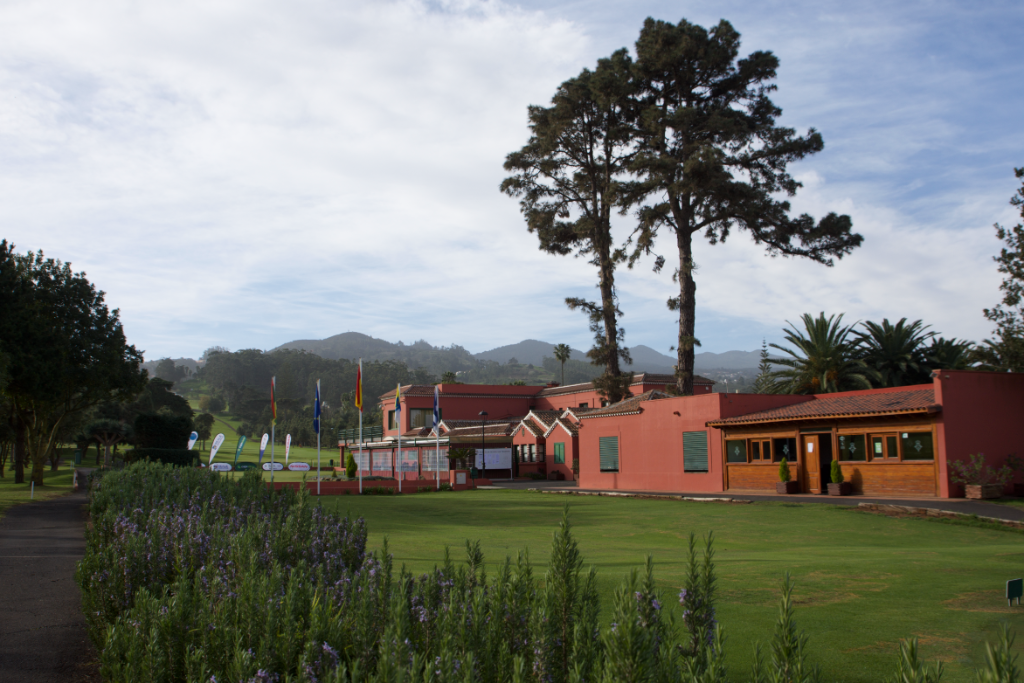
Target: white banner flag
193	437
216	446
287	447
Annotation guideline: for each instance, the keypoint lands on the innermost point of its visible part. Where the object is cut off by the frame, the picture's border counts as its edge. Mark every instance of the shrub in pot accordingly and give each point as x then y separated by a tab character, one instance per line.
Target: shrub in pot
980	481
784	484
838	487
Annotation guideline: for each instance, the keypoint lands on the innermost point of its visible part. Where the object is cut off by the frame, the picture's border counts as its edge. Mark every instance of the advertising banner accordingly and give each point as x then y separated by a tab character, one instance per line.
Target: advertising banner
277	466
221	467
287	446
216	446
192	438
243	466
381	460
263	445
496	458
298	467
433	463
409	460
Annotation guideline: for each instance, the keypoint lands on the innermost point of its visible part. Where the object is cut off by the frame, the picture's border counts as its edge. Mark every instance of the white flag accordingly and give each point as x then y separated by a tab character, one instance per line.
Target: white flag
287	447
216	445
193	437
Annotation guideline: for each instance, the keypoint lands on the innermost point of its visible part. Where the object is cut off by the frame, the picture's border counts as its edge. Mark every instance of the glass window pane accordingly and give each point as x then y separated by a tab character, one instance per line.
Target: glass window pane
784	449
851	447
736	451
877	448
917	446
755	451
890	447
766	451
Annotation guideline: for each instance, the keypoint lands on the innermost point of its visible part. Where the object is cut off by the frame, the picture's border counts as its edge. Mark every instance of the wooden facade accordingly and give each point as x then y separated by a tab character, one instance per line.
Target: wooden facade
877	456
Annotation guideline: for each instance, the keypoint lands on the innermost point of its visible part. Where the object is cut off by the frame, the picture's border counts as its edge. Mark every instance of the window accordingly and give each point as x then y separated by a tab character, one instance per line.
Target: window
736	450
695	451
583	405
883	447
784	449
540	452
421	417
917	446
559	453
852	447
391	420
609	451
760	450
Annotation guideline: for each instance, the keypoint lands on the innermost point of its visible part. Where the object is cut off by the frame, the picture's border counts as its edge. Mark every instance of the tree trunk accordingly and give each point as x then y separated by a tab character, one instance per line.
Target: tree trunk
106	456
98	453
38	468
687	312
19	450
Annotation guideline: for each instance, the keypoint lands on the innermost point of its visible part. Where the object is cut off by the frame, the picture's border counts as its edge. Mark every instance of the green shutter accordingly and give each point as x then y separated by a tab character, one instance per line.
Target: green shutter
695	451
559	453
609	446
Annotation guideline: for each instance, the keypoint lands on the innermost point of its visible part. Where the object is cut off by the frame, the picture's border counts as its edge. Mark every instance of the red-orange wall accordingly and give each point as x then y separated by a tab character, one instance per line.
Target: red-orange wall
982	412
559	435
651	443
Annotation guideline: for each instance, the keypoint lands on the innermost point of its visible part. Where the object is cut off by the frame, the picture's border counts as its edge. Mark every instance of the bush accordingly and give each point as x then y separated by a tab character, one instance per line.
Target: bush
178	457
975	472
837	473
783	470
350	465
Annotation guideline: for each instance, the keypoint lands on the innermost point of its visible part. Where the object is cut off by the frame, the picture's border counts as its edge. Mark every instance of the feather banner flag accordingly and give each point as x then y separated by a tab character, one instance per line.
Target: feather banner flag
287	447
263	445
359	387
273	403
437	406
316	409
239	447
192	438
398	405
216	446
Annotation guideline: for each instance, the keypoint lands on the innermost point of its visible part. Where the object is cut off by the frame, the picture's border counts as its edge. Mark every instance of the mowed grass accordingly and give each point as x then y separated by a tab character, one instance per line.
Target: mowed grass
863	581
55	484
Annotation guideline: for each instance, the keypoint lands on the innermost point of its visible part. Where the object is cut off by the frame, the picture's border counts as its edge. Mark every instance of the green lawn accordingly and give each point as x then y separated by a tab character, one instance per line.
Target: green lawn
56	484
863	581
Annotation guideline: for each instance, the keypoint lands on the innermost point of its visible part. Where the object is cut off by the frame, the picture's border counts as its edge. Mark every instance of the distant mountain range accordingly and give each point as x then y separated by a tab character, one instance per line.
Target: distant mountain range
439	359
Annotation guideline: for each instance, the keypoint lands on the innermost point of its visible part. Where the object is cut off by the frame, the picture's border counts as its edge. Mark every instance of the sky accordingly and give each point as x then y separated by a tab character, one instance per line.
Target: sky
244	174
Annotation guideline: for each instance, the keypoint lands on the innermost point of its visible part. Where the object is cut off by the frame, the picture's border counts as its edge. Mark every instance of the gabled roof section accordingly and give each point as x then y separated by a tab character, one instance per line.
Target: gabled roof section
911	401
576	413
629	406
571	428
544	418
529	425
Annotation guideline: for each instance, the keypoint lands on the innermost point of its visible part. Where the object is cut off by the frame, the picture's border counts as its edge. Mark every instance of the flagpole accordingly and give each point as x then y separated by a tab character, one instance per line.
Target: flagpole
398	420
359	395
273	425
319	425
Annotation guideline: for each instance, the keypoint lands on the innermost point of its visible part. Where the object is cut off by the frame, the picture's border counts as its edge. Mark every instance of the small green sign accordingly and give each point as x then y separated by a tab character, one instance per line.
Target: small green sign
242	466
1014	589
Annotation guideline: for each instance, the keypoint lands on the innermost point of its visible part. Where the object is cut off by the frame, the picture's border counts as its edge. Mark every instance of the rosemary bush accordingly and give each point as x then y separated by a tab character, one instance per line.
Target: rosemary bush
192	577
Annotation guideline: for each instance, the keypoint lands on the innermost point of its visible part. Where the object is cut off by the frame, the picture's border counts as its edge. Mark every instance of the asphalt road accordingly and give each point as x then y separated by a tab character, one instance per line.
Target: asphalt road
42	630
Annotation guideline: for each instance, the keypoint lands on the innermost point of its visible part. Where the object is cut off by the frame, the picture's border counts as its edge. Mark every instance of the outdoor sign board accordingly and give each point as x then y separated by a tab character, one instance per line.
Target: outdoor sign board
460	477
242	466
1014	589
221	467
299	467
276	466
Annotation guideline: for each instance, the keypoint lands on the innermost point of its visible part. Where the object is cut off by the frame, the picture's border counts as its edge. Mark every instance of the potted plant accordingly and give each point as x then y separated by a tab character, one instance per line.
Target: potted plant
980	480
784	484
838	487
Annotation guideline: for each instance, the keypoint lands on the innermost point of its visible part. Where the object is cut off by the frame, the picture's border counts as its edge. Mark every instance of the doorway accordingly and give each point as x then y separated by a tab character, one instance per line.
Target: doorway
816	454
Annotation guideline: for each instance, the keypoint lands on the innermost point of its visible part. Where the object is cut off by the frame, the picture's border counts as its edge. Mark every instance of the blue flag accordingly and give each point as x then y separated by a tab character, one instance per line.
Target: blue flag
437	407
316	409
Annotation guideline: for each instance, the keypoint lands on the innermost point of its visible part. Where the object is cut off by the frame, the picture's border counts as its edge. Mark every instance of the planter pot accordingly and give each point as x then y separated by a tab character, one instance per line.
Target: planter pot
785	487
844	488
983	491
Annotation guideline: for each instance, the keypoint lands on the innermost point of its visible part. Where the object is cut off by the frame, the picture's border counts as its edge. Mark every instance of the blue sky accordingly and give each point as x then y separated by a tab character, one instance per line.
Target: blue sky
245	174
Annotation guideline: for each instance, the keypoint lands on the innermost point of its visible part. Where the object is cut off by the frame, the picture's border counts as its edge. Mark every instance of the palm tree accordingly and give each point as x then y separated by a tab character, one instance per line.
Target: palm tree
950	354
825	360
562	353
895	352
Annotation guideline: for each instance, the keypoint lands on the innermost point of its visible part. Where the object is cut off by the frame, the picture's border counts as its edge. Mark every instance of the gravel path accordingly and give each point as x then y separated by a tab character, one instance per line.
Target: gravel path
42	630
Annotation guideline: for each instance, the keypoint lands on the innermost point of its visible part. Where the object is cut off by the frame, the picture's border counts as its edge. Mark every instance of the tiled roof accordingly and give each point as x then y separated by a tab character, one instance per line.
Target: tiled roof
629	406
545	418
531	426
839	405
469	428
638	378
412	390
577	413
566	424
428	390
420	432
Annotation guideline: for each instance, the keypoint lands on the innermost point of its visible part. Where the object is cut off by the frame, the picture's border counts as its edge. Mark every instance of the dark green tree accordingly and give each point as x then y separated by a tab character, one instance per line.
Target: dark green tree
825	360
763	383
203	424
107	433
1006	350
896	353
562	353
68	350
712	159
950	354
568	179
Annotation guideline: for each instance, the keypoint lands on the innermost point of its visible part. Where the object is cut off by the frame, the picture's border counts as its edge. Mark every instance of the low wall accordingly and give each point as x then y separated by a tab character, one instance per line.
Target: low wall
350	488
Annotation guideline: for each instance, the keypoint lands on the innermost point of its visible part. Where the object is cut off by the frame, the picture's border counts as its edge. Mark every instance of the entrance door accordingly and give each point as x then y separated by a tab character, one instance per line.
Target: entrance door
811	458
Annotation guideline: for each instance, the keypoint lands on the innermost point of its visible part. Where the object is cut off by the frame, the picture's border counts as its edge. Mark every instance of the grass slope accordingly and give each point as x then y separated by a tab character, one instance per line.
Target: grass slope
862	581
55	484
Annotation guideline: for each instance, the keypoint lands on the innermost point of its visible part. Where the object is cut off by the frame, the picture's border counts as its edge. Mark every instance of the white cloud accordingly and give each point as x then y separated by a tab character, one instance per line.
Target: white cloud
249	173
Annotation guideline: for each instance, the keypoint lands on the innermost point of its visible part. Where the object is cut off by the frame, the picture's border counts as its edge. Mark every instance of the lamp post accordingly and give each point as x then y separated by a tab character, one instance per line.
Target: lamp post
483	441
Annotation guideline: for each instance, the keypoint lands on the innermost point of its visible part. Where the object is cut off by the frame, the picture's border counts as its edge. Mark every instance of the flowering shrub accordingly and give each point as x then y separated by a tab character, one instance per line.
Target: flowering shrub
191	577
975	471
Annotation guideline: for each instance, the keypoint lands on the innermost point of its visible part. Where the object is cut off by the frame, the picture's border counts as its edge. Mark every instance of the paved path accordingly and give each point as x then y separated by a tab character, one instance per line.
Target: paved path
42	630
970	507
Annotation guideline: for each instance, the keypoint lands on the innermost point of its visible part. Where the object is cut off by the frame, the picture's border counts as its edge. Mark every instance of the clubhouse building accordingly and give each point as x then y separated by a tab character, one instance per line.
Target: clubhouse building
888	442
